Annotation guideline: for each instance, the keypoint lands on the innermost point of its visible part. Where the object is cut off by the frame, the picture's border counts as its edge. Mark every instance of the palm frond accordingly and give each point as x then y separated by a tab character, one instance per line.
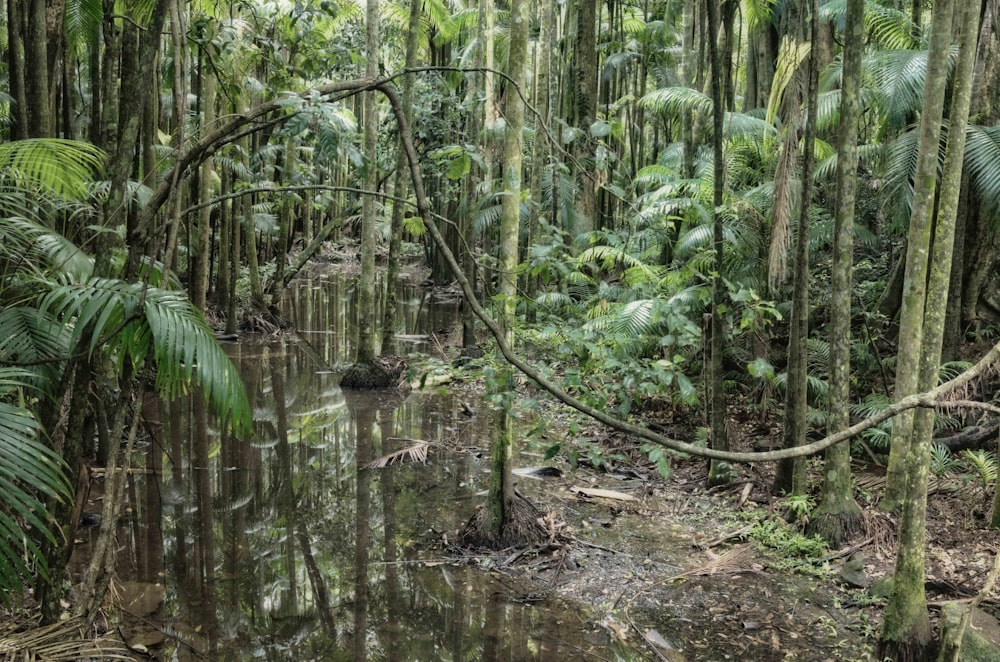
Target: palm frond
673	101
24	238
132	320
62	641
30	472
62	167
982	161
417	452
887	27
758	13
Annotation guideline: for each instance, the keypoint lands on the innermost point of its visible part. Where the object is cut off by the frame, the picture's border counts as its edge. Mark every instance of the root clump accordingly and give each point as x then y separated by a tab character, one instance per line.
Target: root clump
525	526
383	372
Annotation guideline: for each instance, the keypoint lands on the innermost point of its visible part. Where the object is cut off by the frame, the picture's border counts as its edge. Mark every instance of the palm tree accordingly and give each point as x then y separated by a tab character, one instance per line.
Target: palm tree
53	313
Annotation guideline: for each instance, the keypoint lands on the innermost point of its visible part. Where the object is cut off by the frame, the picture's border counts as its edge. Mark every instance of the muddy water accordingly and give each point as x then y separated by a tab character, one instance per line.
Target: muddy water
283	546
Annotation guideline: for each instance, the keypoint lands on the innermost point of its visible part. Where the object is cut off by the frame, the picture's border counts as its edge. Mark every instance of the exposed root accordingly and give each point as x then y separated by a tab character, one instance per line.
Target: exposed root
383	372
525	525
258	320
837	528
907	651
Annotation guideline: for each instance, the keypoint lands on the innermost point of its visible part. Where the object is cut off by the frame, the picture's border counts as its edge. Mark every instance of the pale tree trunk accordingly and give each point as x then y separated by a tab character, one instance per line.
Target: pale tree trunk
838	516
918	245
285	222
501	490
791	476
396	237
203	233
541	153
369	205
718	472
906	632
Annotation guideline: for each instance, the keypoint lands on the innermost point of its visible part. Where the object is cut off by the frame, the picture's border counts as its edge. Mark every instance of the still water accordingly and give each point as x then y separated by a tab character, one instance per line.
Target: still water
284	546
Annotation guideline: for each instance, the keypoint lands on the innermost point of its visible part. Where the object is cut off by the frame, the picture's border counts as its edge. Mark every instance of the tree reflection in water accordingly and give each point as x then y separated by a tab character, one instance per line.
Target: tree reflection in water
283	546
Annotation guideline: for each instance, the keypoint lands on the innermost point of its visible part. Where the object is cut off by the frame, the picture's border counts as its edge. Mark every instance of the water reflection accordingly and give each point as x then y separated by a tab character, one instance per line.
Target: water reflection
284	546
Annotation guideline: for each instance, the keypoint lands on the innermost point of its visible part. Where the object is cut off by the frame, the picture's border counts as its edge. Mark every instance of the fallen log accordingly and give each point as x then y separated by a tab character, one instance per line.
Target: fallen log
970	438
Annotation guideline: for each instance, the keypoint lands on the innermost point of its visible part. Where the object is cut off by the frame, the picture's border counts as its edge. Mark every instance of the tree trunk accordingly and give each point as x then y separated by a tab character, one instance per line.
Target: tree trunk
585	112
396	231
918	246
838	516
15	69
791	476
906	632
718	472
203	232
36	80
501	490
369	206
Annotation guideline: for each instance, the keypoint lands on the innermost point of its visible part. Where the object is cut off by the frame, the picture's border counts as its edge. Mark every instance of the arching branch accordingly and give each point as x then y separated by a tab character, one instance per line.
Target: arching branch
933	398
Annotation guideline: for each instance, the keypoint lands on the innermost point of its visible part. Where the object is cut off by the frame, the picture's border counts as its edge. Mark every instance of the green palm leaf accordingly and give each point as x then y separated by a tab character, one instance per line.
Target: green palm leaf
32	245
132	320
30	472
61	167
673	101
982	158
887	27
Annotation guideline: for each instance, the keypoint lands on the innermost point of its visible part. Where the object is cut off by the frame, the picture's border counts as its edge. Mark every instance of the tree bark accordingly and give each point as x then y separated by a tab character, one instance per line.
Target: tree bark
396	223
907	627
838	516
369	206
718	472
918	246
501	490
36	80
791	476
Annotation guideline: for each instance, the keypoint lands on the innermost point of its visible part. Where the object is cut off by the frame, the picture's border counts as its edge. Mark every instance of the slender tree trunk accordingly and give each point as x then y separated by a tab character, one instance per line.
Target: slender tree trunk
906	632
139	59
791	476
286	222
369	205
234	266
389	345
15	71
586	112
838	516
203	233
718	472
918	246
501	490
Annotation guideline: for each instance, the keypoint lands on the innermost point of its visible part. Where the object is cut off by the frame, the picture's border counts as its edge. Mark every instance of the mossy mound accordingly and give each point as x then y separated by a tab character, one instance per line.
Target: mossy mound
981	640
382	372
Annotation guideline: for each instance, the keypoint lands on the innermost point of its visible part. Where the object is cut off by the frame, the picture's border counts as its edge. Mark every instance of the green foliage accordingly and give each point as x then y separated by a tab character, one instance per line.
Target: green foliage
943	462
788	541
984	464
30	473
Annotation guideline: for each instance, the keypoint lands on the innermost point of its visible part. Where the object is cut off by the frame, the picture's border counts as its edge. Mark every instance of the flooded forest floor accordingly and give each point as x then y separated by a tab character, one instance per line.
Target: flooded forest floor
329	533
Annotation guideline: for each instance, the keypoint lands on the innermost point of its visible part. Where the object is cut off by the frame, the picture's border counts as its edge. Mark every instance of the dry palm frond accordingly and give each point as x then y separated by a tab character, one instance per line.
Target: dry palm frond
732	562
64	640
781	210
414	453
